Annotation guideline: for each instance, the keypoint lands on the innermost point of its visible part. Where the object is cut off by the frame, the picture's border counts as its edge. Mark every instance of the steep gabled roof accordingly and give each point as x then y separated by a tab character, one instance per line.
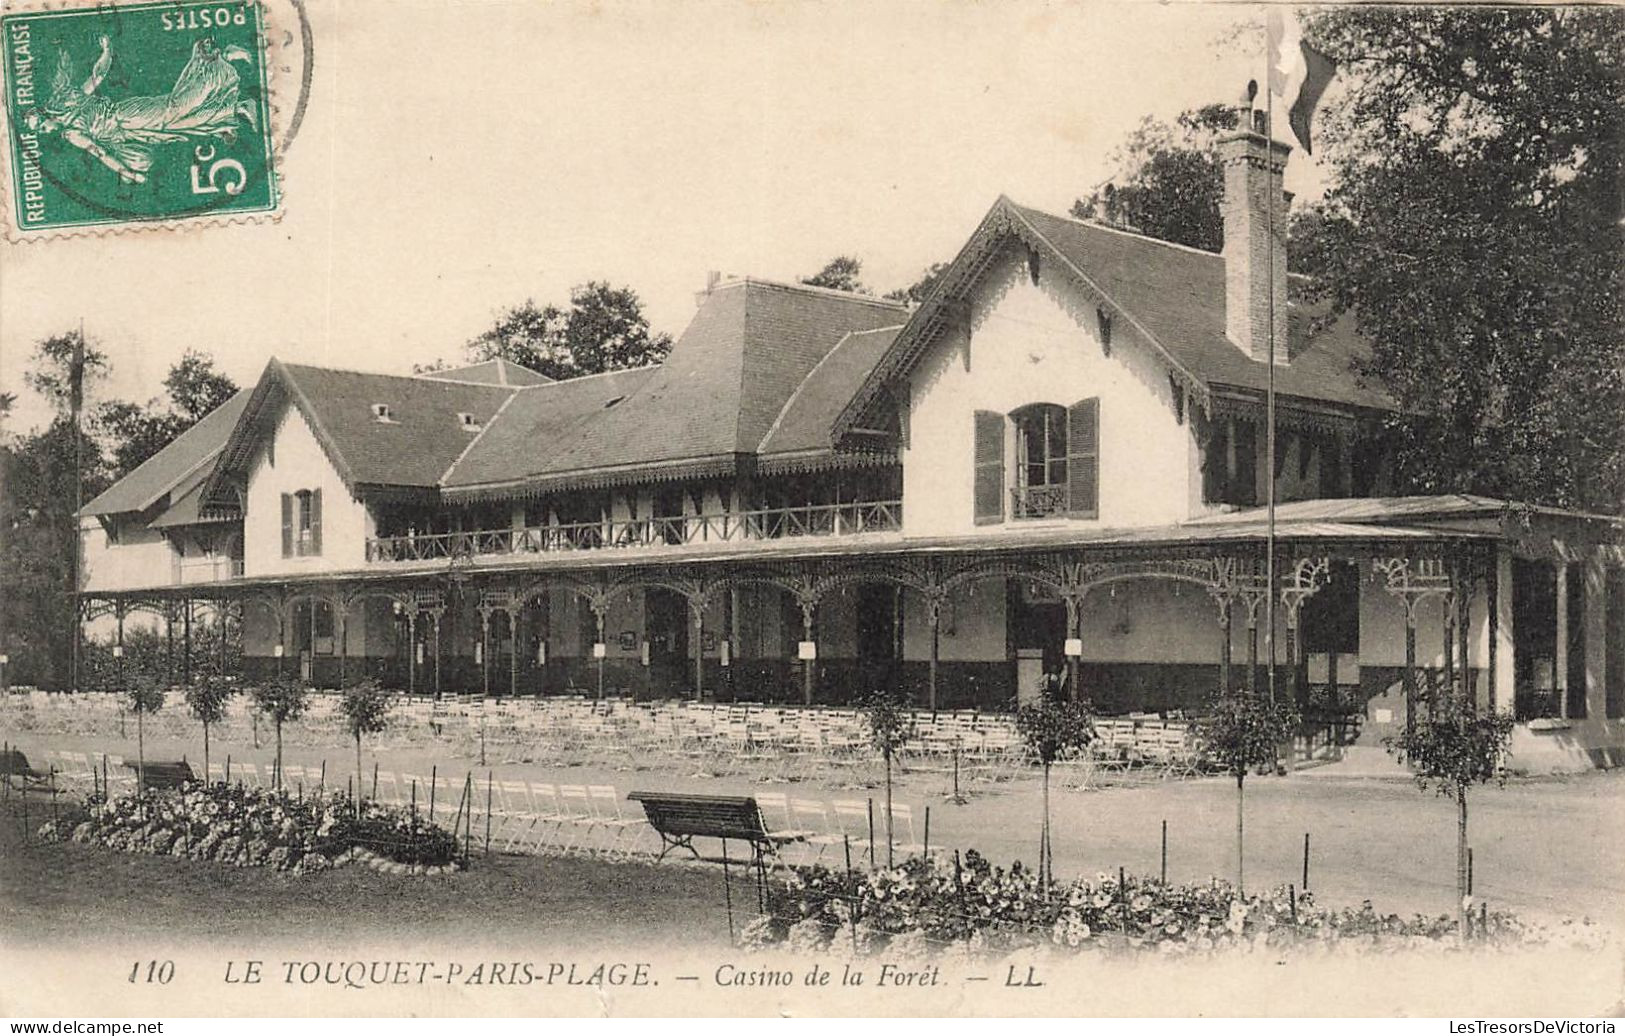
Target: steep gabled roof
1170	297
518	442
492	372
413	448
719	392
193	451
804	422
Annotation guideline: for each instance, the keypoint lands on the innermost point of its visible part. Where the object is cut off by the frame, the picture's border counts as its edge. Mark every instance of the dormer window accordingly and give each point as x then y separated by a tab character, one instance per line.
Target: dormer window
380	413
468	423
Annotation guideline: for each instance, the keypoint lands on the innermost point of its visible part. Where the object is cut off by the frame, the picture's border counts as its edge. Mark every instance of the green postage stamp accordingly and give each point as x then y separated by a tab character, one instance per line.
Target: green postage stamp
134	113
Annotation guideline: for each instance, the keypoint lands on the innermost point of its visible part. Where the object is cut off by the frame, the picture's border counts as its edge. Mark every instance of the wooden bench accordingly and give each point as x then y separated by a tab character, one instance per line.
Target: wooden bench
163	776
680	818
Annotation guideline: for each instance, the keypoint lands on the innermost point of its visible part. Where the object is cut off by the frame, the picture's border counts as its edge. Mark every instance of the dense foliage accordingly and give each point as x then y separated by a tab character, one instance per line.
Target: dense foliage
1244	730
1053	728
927	904
253	827
38	495
602	329
1473	228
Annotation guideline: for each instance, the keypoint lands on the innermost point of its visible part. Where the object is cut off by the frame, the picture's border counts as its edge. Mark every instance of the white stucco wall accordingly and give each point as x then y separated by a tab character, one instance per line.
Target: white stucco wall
142	557
1031	344
293	461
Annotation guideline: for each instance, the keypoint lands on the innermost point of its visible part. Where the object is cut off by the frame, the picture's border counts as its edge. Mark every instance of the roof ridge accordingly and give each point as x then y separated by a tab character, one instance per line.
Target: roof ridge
813	289
582	377
394	377
1097	225
796	393
477	436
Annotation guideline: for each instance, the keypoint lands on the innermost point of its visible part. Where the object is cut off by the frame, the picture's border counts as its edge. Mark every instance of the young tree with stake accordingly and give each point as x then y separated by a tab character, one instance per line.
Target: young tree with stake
889	729
1052	727
1452	747
366	708
144	694
207	700
283	699
1245	730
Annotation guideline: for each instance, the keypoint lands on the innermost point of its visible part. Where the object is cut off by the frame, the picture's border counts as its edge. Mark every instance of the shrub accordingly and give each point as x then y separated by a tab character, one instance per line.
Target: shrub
934	902
258	827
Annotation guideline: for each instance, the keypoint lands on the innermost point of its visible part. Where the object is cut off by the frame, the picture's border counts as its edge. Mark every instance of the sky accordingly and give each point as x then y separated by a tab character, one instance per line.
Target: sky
456	157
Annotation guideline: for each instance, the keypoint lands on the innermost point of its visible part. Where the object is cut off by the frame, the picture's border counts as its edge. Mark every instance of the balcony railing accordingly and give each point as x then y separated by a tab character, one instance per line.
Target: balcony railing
743	526
207	570
1038	501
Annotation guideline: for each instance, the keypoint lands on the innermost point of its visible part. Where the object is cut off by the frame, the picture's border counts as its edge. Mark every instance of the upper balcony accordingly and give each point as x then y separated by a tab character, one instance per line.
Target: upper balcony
849	519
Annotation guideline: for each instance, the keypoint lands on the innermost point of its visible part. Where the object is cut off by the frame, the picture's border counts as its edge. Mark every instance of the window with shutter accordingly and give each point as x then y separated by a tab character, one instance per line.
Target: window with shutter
989	467
1083	459
316	521
287	525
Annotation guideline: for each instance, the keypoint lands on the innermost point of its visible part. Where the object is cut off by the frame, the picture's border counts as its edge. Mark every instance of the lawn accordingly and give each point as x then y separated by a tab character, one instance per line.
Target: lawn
63	891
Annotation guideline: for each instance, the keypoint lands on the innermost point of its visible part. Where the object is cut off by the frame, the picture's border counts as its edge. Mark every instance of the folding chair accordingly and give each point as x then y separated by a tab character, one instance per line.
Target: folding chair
906	843
811	815
852	820
519	816
622	830
575	805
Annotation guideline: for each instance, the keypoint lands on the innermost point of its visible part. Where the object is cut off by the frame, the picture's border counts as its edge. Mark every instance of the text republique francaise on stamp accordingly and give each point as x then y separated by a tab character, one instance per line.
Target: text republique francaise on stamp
130	114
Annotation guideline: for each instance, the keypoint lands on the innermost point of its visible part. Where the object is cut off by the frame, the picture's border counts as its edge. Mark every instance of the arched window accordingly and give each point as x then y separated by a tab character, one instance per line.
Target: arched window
1054	469
302	523
1038	489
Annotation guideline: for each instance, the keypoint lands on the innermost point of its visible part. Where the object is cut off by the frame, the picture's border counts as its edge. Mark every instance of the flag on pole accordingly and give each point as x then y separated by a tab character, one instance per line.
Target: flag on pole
76	376
1299	73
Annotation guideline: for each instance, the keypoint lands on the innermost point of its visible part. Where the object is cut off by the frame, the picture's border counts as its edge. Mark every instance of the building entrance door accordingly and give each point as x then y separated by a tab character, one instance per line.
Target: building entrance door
666	625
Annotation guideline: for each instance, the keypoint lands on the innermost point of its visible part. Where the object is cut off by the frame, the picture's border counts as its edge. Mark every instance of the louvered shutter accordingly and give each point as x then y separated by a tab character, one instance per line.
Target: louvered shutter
1083	458
316	521
287	525
989	453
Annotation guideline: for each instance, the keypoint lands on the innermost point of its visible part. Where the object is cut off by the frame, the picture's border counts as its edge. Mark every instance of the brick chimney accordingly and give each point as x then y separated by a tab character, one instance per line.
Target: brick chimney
1253	168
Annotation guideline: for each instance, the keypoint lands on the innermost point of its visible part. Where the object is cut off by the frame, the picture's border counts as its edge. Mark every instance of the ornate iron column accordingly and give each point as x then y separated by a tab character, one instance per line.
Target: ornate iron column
1302	582
1412	582
935	596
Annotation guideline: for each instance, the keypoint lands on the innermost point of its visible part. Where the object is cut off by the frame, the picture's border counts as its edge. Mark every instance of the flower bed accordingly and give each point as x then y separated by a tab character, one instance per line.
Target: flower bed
253	827
923	905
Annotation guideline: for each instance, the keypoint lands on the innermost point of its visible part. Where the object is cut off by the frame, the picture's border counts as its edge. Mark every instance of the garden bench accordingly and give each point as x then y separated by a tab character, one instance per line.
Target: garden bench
164	776
679	818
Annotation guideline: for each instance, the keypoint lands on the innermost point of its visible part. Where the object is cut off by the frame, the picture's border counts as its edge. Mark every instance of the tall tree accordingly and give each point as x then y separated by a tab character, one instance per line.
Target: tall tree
134	432
843	273
1473	230
195	387
38	539
1168	182
603	329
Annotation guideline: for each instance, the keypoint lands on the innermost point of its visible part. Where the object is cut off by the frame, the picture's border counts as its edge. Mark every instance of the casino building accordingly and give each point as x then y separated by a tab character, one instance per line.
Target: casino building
1054	468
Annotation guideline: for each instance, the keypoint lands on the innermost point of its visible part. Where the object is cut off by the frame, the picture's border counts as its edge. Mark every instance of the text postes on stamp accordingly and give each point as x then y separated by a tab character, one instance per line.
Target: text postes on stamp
136	113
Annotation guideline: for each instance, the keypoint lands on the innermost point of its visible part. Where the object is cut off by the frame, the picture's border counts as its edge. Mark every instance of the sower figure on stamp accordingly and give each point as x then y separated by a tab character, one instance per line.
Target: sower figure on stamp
121	134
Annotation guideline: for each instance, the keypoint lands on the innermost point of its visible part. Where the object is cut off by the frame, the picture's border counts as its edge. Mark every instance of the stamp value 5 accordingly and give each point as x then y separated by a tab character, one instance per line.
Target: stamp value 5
137	113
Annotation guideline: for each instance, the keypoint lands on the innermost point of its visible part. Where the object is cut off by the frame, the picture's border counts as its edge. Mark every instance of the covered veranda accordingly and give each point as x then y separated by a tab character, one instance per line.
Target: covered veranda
583	622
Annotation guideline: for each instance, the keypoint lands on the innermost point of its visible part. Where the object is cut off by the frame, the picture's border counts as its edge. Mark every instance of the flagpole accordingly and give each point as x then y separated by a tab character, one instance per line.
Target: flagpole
1269	392
76	382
